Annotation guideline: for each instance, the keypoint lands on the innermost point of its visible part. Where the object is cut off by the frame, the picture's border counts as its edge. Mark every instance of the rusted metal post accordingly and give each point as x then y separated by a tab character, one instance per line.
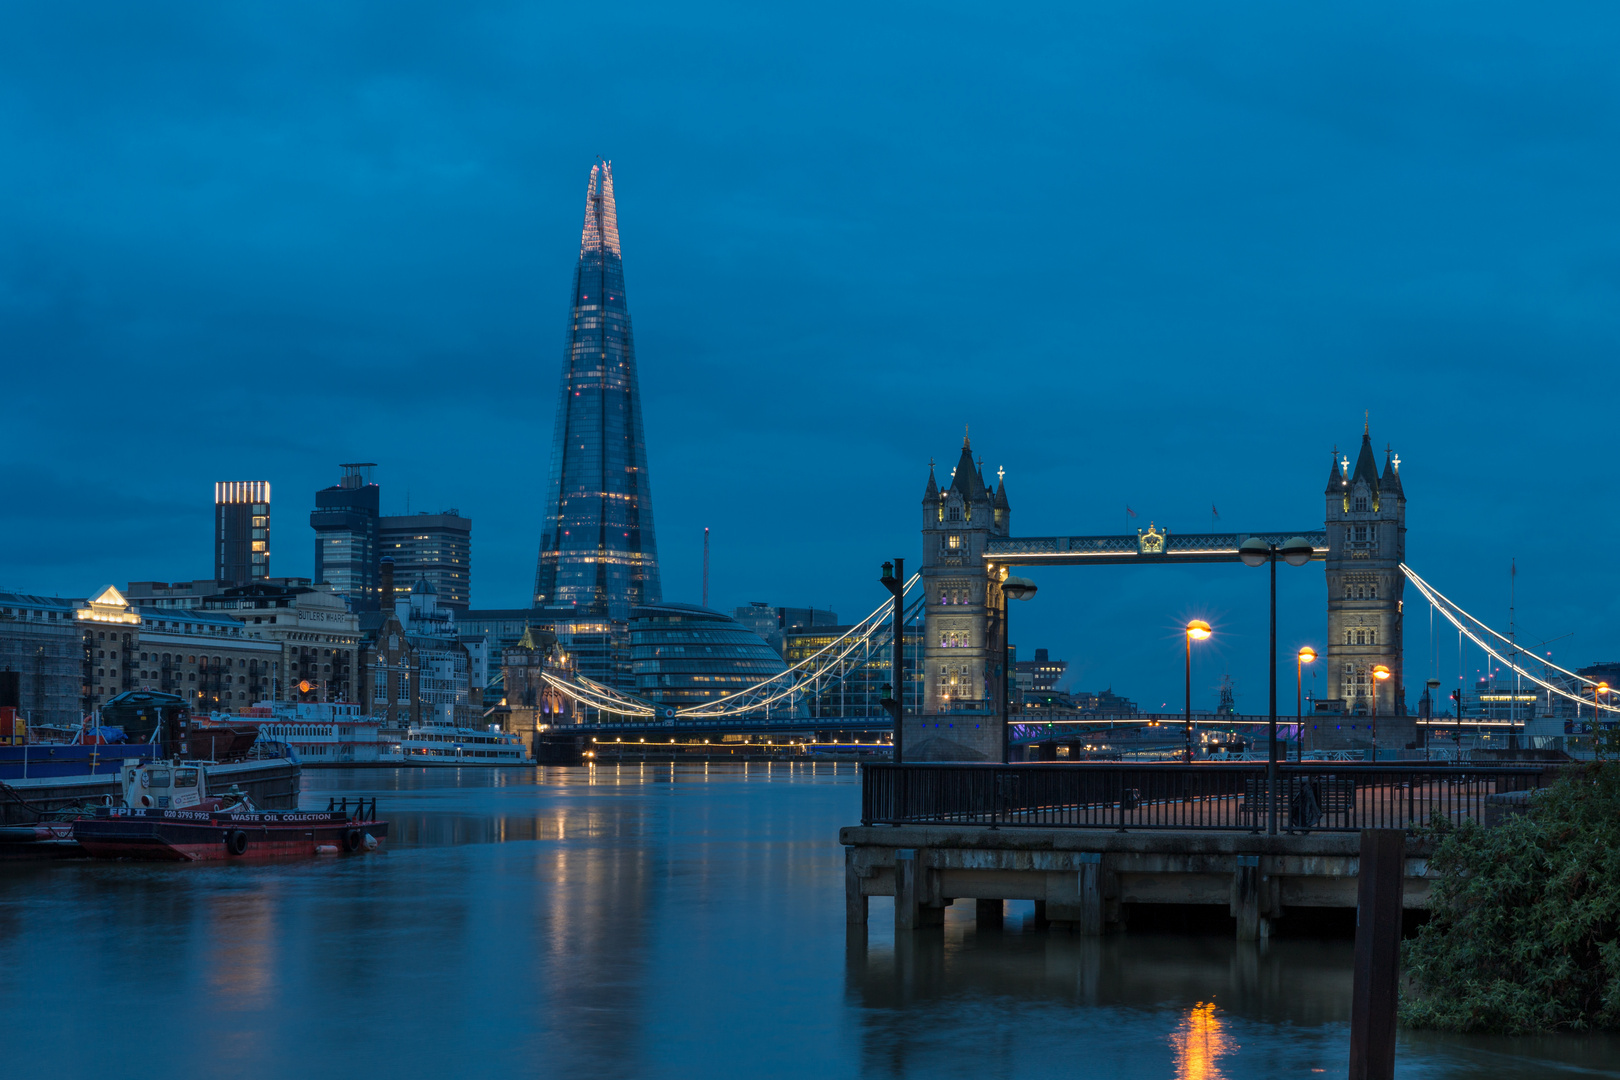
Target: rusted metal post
1379	881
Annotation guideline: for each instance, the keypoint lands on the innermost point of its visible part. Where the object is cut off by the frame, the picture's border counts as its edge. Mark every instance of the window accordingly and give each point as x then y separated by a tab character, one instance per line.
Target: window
955	513
1361	637
1361	504
1347	637
954	543
1361	534
1372	637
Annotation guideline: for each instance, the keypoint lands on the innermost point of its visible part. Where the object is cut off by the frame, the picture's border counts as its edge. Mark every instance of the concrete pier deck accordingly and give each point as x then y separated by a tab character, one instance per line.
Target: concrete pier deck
1089	878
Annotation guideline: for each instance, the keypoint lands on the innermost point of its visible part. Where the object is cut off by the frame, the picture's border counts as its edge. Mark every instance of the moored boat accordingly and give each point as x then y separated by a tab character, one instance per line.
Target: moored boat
168	813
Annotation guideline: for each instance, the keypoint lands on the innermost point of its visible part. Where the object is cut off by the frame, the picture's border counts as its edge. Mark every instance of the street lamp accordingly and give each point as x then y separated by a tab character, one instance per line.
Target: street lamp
1012	588
1197	630
1295	551
894	699
1306	655
1428	733
1380	672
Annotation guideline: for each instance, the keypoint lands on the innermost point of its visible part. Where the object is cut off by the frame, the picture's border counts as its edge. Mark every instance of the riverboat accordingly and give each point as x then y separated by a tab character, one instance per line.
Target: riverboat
326	733
168	813
440	742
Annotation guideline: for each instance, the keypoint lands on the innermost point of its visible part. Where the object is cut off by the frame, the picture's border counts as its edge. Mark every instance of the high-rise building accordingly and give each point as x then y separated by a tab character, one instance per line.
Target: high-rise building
598	555
346	520
437	547
241	531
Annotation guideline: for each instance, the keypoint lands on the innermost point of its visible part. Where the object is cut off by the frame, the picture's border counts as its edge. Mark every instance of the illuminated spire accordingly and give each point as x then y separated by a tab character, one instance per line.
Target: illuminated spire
601	231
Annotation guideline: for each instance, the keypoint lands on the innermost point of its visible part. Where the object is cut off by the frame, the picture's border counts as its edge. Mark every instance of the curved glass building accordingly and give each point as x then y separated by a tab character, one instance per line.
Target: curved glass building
683	654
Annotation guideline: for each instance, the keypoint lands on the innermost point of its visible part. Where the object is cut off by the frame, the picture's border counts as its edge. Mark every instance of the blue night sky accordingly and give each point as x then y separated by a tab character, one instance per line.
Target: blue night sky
1163	255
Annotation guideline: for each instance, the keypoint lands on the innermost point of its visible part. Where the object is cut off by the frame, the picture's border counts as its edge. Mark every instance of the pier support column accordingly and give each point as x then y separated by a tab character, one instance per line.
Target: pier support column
915	905
989	914
1248	889
854	899
1076	896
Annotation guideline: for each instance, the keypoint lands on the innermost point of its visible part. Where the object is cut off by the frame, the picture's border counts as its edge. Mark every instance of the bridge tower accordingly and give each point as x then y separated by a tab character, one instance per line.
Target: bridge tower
1366	528
961	659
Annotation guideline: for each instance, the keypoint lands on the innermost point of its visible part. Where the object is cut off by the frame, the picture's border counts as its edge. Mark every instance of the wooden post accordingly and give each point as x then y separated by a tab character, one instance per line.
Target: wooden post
1379	882
1091	893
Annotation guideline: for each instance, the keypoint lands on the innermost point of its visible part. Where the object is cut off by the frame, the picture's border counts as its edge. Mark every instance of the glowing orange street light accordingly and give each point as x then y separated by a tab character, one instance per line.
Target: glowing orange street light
1306	655
1197	630
1380	672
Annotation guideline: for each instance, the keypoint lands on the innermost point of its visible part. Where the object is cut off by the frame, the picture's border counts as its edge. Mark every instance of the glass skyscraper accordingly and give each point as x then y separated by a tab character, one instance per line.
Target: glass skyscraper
598	555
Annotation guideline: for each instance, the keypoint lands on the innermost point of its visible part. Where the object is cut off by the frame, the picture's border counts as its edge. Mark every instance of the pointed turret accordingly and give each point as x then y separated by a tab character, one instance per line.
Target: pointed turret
966	481
1366	468
931	492
1391	481
1001	495
1336	482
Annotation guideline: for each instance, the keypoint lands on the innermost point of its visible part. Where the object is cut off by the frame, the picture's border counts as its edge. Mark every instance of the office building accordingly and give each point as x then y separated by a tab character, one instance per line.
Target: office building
774	623
346	520
315	633
856	688
598	554
683	655
241	531
437	547
1040	675
420	670
40	642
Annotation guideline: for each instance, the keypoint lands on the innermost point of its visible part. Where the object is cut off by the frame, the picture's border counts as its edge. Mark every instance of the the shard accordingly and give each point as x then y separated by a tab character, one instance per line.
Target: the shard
598	554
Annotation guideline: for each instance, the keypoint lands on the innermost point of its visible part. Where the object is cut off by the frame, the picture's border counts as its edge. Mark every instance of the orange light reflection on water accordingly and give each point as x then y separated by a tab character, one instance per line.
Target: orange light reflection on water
1199	1041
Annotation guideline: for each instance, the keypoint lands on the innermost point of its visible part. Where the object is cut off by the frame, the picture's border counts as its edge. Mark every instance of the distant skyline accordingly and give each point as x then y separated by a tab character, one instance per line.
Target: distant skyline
1165	259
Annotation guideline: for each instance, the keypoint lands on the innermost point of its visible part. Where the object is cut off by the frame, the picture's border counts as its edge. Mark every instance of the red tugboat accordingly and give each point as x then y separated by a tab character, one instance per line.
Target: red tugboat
169	814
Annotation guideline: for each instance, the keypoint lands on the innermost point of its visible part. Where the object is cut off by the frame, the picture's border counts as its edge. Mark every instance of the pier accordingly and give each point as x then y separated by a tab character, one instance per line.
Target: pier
1088	843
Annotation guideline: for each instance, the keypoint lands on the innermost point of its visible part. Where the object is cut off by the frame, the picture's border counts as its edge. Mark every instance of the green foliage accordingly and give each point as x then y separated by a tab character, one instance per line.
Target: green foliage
1524	917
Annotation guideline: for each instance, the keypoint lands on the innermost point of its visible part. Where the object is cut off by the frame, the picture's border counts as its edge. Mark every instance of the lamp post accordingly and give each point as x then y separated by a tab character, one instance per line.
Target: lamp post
1428	732
1380	672
1197	630
894	702
1306	655
1012	588
1295	551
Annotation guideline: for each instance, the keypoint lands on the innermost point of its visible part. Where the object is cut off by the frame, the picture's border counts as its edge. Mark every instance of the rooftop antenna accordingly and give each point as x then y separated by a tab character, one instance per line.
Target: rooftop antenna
705	566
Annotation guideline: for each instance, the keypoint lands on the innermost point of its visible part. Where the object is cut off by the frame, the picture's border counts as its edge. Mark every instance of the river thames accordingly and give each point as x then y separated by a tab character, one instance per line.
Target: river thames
638	921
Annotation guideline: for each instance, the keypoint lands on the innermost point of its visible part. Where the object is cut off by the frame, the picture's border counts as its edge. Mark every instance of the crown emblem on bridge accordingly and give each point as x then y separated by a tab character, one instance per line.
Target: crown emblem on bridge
1151	542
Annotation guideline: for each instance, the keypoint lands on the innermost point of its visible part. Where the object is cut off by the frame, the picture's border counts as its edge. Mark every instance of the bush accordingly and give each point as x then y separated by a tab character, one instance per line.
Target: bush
1523	918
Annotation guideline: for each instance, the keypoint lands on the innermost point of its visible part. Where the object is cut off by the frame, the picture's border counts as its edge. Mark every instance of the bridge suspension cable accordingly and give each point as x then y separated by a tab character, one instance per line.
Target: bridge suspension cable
1465	622
826	663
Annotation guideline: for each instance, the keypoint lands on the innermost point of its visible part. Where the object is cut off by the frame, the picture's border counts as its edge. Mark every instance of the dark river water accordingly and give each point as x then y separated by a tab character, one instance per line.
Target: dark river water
637	922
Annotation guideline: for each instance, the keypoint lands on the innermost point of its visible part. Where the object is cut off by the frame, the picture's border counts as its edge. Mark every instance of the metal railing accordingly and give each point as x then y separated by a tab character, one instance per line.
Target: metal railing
1319	796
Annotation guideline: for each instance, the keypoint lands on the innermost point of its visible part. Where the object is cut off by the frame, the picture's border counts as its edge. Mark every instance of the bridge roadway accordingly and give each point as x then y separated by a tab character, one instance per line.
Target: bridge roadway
1062	727
727	726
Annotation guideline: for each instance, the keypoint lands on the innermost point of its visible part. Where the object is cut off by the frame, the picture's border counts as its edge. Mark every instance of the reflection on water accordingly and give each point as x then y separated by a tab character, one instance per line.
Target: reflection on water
636	921
1199	1041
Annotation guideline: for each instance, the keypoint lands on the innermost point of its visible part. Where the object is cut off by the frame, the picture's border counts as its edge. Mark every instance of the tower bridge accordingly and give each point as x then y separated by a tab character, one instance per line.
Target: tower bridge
969	550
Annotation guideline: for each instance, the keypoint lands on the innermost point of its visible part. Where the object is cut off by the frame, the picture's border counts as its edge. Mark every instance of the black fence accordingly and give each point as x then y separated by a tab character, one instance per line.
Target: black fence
1320	796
